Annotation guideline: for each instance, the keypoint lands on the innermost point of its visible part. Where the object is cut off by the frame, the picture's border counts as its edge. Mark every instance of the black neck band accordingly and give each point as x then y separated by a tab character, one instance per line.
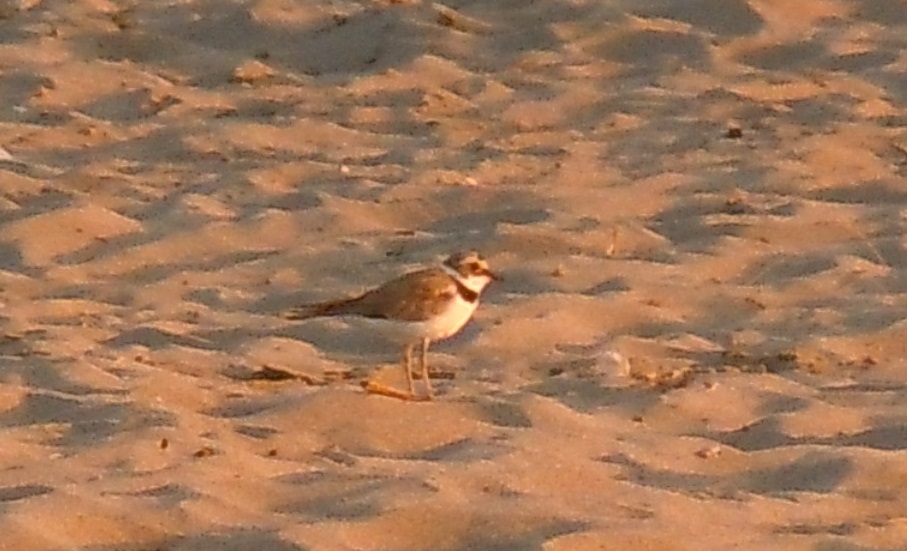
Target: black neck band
465	292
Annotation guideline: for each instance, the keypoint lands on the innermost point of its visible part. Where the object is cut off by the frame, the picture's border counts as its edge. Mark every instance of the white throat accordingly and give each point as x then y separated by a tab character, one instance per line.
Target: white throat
475	283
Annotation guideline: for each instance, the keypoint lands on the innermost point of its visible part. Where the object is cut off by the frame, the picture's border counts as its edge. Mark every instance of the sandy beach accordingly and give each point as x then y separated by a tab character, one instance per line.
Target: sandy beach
698	208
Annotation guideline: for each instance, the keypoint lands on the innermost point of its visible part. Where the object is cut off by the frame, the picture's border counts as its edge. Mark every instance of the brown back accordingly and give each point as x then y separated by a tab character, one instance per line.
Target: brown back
415	296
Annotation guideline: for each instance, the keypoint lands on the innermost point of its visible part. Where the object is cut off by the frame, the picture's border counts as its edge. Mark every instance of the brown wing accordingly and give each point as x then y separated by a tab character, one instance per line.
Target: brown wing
413	297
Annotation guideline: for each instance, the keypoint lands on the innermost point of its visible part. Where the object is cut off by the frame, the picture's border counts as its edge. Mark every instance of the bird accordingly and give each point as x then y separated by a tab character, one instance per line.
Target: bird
415	309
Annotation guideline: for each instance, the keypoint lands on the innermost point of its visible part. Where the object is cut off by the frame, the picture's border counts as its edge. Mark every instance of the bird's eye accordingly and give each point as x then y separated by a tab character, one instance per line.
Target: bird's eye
475	267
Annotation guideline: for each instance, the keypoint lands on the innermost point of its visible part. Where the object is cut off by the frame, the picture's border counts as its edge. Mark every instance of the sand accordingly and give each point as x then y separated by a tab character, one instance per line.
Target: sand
698	208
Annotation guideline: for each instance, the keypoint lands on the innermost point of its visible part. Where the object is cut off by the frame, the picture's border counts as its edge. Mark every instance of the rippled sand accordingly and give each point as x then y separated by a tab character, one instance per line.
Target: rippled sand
709	193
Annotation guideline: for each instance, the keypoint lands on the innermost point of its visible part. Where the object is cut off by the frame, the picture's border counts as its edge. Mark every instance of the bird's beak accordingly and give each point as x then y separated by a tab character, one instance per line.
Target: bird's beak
493	276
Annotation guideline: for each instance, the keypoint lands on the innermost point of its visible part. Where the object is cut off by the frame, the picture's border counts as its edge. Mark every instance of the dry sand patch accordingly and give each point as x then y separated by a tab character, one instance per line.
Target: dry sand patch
707	194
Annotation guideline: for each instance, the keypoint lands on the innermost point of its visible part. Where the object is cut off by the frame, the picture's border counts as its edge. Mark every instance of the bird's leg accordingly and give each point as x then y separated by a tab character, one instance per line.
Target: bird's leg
425	378
407	366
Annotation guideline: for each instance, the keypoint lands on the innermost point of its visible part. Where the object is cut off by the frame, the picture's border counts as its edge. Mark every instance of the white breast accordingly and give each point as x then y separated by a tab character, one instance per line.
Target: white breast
451	320
446	324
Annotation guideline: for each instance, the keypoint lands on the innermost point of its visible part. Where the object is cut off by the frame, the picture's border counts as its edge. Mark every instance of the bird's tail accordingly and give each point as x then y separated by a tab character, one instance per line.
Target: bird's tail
321	309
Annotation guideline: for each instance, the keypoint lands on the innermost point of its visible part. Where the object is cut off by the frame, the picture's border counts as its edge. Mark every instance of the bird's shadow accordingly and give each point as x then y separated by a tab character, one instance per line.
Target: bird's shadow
339	337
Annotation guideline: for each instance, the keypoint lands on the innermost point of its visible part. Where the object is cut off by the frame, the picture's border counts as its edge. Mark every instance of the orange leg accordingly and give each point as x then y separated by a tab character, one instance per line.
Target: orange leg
426	380
407	366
